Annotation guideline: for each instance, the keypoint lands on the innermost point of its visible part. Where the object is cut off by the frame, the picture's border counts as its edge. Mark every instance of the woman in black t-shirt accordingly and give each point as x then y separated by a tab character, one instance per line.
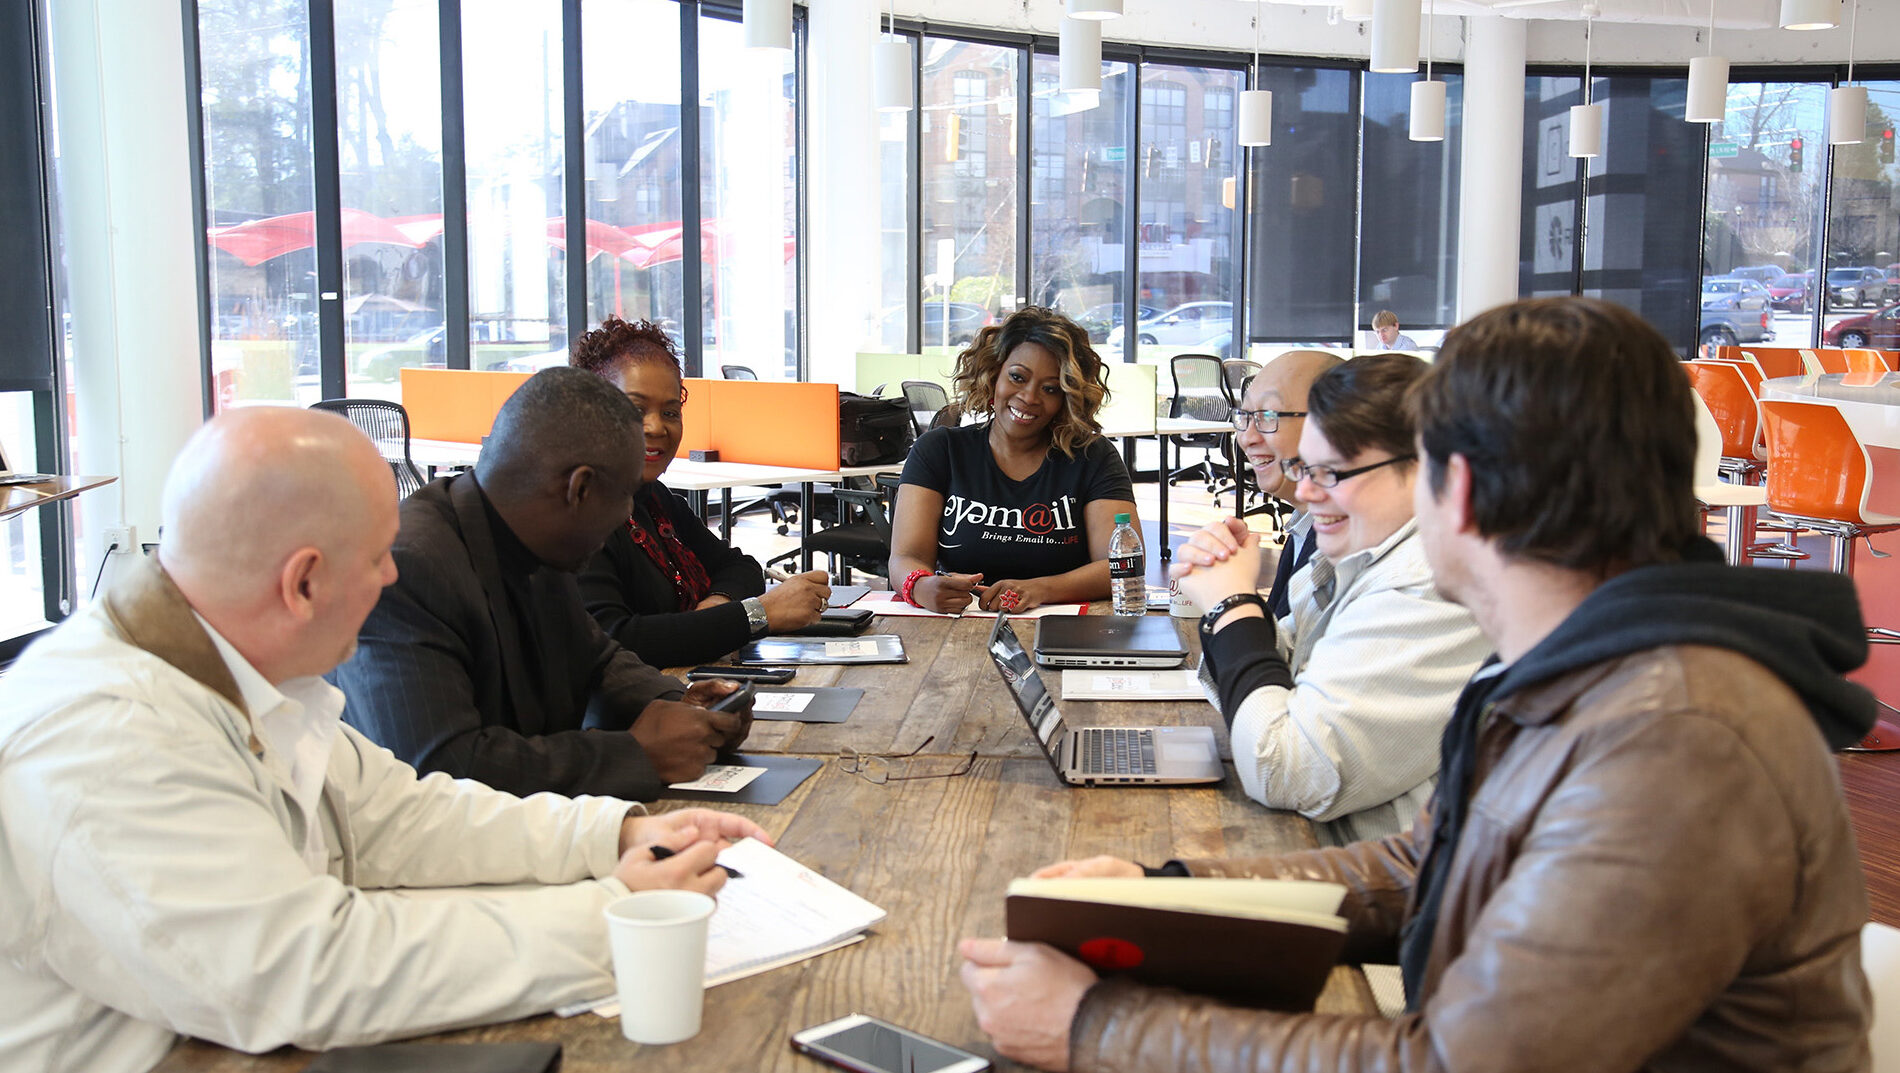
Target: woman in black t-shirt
1014	512
664	585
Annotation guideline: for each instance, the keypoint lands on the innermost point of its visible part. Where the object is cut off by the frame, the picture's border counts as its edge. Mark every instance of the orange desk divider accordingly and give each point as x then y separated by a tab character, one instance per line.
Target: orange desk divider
697	415
455	404
775	423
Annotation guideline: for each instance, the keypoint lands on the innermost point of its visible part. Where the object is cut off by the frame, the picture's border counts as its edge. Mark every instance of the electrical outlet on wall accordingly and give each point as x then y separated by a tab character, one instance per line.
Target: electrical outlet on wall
123	536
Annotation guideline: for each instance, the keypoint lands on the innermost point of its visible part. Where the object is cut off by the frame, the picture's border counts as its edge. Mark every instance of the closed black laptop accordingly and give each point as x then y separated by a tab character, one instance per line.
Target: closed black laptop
1108	641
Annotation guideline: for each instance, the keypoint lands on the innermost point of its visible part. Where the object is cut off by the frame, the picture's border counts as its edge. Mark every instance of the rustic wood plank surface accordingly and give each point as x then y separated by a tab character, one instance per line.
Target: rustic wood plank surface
936	853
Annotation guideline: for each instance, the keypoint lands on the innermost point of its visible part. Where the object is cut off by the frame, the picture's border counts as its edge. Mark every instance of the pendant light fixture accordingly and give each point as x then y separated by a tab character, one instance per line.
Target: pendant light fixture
1428	97
1847	105
1356	10
1586	119
1256	105
1708	83
1810	14
1095	9
1080	59
767	23
890	68
1395	36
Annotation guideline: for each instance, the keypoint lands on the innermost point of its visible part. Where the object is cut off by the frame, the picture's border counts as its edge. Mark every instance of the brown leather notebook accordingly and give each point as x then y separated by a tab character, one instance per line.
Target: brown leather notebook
1276	964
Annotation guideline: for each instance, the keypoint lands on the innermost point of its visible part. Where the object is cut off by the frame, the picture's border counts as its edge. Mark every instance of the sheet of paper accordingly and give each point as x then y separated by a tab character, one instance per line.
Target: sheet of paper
835	649
885	603
782	702
721	779
1130	685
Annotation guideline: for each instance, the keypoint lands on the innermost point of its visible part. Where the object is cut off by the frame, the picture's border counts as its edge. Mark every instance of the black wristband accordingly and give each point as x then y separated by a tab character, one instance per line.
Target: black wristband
1228	604
1172	868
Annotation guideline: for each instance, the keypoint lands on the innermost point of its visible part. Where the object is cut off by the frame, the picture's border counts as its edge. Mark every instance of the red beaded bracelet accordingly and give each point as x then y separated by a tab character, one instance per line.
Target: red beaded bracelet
910	582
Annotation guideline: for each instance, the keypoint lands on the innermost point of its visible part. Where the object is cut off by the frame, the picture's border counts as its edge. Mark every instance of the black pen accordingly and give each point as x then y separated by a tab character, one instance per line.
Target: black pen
661	853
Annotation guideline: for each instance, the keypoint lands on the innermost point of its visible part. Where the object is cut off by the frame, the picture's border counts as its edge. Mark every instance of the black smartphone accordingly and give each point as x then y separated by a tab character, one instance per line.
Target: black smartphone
734	700
776	676
868	1045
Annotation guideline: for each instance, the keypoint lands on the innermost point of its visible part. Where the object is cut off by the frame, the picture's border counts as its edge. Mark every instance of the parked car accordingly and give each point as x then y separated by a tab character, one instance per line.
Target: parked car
1862	286
1766	275
1792	293
1733	292
1186	325
424	348
1880	329
1102	321
965	319
1729	326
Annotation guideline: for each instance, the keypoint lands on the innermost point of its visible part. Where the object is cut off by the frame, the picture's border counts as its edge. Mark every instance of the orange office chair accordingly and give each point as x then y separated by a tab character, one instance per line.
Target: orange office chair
1824	360
1740	503
1723	387
1776	361
1751	372
1864	360
1818	478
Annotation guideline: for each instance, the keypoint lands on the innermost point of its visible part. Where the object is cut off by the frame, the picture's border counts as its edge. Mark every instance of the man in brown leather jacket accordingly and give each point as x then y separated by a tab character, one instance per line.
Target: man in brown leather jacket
1638	856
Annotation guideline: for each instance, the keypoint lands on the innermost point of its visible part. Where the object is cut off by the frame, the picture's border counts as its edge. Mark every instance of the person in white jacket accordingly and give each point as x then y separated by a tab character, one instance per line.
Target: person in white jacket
191	842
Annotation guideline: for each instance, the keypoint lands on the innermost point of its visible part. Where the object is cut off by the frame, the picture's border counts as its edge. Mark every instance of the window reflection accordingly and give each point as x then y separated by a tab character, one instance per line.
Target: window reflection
969	189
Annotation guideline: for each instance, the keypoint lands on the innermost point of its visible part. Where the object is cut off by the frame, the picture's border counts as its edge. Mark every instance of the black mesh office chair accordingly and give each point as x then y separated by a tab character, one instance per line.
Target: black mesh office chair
737	372
925	399
1200	392
387	425
1236	374
862	538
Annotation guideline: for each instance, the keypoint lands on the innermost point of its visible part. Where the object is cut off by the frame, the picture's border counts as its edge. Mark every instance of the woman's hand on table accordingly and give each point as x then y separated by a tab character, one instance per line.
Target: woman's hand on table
797	601
947	594
1013	596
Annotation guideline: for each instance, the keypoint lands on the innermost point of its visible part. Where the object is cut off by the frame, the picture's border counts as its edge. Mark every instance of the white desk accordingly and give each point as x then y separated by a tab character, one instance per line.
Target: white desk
1163	428
444	454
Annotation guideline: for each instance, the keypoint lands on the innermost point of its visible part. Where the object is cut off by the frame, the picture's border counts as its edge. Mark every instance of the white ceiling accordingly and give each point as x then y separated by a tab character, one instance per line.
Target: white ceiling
1729	14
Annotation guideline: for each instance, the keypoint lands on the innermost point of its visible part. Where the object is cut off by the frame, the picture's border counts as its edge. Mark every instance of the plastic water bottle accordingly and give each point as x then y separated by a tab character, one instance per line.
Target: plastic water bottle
1127	569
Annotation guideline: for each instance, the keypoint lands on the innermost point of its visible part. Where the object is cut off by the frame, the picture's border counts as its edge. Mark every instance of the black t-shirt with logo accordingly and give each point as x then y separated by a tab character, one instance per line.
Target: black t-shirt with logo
1013	529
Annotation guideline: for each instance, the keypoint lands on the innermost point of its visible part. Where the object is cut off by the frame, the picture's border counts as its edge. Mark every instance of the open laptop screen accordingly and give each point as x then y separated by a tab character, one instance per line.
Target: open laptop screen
1019	672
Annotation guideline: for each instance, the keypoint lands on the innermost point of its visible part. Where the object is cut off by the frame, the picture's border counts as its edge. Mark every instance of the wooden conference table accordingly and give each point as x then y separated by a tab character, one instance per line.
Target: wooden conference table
19	498
936	854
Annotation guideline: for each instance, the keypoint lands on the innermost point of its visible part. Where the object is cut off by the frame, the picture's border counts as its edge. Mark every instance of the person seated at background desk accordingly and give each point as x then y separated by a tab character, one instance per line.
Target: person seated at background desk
1267	425
1026	499
664	586
192	844
481	660
1336	710
1386	335
1638	856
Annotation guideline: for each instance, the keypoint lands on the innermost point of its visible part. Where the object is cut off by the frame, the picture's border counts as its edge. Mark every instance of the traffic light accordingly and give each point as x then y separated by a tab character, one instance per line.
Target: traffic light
1794	155
1886	146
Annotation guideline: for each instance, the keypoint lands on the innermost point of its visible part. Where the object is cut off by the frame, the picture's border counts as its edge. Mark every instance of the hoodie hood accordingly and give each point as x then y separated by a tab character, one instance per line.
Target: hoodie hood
1804	627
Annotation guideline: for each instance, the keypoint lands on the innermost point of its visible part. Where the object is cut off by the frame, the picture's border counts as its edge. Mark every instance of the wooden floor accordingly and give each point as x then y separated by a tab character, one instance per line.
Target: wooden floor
1870	780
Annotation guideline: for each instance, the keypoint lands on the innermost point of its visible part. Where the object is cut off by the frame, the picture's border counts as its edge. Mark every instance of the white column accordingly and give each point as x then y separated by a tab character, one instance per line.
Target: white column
125	183
1492	167
841	241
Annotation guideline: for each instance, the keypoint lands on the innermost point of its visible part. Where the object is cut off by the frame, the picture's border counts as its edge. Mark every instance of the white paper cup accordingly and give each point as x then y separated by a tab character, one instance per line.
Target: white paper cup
1180	604
659	944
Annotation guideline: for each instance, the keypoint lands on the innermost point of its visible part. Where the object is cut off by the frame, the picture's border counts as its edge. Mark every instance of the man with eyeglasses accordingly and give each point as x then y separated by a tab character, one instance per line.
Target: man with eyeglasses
1267	428
1638	856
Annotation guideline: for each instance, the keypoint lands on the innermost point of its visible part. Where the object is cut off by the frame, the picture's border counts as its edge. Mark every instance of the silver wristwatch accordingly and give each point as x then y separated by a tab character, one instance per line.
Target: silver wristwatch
755	615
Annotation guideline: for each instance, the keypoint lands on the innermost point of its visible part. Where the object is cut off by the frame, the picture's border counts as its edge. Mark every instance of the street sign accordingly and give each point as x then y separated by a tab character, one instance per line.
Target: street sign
1723	149
1114	154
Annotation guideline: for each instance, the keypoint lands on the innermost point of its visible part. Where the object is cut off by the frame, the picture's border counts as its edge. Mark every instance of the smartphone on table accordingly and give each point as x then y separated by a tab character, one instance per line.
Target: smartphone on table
776	676
868	1045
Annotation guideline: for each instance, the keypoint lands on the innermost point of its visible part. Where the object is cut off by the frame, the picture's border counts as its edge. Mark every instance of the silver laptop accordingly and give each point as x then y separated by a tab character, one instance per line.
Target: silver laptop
1097	641
1100	756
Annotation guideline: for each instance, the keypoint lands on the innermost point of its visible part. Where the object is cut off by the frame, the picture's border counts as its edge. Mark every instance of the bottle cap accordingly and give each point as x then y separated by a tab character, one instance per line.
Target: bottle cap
1121	519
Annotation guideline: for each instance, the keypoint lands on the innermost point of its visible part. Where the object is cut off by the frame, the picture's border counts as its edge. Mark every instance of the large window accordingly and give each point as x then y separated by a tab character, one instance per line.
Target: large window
1863	229
748	202
1079	182
389	148
969	188
1303	202
255	73
1408	232
1185	225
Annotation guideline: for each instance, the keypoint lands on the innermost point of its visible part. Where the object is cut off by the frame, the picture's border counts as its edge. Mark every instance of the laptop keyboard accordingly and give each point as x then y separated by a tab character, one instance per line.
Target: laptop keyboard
1116	751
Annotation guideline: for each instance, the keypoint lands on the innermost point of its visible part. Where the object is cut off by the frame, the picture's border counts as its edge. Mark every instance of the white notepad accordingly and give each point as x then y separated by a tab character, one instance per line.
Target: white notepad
779	913
1088	684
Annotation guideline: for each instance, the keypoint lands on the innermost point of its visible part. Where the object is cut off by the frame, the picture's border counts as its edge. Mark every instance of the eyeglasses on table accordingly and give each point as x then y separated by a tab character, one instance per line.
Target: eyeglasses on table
876	767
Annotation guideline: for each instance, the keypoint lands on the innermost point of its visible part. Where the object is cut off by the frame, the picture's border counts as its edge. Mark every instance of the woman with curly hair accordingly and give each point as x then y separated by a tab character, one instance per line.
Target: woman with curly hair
1014	512
665	586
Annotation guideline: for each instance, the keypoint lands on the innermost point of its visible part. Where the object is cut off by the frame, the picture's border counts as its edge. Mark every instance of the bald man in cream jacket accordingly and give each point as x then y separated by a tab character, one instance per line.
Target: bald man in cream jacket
192	843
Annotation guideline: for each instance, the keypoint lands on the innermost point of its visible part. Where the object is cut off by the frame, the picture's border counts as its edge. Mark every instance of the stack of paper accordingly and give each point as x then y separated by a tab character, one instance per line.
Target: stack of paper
1130	685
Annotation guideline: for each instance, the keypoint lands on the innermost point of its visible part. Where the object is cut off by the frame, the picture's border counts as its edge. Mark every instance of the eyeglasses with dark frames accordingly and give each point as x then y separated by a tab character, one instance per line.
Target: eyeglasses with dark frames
1328	477
1266	421
875	767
